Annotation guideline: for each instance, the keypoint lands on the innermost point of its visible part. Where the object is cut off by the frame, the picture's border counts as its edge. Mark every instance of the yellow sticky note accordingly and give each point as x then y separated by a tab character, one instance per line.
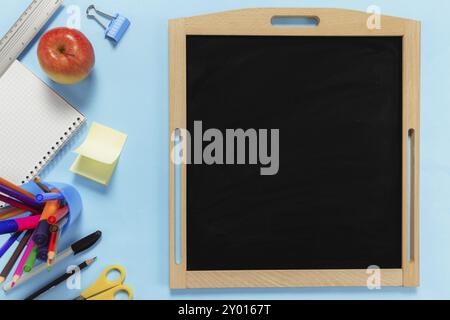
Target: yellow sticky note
99	154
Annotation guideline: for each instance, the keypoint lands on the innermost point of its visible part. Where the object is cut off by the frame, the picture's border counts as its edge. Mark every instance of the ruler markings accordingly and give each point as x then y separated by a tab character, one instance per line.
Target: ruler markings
17	27
33	16
17	32
25	29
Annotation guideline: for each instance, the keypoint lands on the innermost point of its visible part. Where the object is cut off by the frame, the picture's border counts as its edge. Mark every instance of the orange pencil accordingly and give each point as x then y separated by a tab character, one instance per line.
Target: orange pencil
11	213
61	213
16	188
43	187
50	209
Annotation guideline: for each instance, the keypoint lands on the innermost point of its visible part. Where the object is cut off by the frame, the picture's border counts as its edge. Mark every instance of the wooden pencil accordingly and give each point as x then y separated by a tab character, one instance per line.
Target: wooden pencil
61	279
50	209
54	230
55	234
18	204
31	261
12	261
43	187
6	210
16	188
22	262
11	213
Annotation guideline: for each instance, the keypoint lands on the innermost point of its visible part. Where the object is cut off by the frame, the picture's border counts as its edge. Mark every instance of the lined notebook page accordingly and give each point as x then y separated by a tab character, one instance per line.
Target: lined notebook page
35	123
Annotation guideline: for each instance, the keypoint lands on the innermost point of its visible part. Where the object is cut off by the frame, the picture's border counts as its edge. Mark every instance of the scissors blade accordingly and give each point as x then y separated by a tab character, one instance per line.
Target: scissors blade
111	293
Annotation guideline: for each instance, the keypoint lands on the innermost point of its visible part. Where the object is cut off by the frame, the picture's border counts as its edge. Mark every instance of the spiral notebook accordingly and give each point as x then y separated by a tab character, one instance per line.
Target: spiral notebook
35	123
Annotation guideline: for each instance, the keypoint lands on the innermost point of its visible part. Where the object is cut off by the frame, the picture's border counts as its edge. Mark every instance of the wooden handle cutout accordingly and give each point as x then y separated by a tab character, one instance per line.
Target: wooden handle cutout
177	186
412	193
295	21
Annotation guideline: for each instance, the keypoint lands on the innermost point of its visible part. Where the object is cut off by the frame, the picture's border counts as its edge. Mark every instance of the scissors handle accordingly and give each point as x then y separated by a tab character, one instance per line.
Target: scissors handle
111	294
103	284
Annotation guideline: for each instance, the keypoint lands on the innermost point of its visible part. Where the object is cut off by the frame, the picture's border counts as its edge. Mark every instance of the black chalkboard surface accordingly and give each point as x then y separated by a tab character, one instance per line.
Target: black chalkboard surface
337	103
336	200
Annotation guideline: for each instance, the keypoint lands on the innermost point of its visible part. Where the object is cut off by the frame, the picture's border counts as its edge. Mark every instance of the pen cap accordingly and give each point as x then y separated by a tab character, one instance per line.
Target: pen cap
86	243
71	196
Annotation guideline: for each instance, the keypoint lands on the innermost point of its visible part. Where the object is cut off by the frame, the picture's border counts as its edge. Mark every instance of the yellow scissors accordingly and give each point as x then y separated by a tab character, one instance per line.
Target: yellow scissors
104	289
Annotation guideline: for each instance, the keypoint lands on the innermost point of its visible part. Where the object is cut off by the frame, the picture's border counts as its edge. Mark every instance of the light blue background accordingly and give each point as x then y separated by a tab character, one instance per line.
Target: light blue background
129	92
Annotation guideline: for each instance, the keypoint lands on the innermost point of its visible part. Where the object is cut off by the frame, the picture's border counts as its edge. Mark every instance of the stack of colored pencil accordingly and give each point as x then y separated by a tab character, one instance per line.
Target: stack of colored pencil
37	220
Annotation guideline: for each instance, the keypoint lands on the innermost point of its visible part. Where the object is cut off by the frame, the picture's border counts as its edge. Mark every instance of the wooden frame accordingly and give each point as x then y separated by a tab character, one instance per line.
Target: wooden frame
332	22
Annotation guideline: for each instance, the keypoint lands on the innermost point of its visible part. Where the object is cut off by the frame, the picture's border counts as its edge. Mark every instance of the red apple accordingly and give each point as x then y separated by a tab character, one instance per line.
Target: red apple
66	55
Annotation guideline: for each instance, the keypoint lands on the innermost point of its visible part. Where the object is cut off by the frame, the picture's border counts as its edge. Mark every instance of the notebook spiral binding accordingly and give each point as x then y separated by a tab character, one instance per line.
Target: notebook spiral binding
52	152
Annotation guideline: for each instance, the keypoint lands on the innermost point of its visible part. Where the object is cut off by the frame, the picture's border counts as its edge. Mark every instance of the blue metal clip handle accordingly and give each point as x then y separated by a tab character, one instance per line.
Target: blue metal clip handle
117	27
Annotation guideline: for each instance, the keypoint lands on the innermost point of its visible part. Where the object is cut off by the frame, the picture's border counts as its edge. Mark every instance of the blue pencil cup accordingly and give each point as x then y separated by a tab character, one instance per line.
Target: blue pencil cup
71	196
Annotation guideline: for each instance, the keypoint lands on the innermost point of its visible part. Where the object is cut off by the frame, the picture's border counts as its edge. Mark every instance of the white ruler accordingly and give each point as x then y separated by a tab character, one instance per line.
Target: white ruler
24	30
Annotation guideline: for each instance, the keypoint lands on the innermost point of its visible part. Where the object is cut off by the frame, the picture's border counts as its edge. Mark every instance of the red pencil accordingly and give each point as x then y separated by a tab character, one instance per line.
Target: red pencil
54	230
55	234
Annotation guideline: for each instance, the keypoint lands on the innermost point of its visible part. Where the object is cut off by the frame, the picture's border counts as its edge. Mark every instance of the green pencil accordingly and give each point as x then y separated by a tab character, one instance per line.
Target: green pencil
31	260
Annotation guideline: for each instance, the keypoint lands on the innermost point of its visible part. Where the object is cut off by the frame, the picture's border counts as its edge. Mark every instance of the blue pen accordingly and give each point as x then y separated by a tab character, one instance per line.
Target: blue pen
19	224
9	243
42	254
44	197
41	234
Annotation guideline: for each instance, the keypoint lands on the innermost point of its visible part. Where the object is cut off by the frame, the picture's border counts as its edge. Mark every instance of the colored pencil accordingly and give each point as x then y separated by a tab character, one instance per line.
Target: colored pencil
16	188
18	196
31	260
52	248
60	279
42	186
19	224
11	213
61	213
18	204
74	249
6	210
50	209
12	261
55	234
8	244
23	260
45	197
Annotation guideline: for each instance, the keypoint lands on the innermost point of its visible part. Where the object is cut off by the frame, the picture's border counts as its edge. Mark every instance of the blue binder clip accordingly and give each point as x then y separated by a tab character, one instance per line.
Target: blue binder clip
117	27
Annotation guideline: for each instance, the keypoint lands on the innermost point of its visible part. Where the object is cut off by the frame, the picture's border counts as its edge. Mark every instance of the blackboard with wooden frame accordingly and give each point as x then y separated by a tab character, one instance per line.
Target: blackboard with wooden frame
201	266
